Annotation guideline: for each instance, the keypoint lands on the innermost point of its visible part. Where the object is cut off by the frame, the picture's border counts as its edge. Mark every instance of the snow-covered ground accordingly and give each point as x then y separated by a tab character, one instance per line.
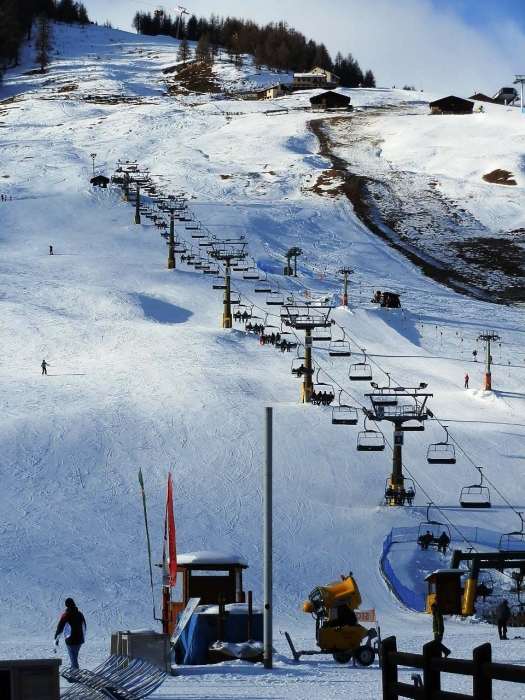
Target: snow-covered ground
142	376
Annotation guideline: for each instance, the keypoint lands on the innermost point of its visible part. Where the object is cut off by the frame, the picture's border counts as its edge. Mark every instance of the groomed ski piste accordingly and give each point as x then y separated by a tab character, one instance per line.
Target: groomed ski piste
141	375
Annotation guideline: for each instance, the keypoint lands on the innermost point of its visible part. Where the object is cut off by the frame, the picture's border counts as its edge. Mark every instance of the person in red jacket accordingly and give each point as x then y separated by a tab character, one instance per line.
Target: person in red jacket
72	624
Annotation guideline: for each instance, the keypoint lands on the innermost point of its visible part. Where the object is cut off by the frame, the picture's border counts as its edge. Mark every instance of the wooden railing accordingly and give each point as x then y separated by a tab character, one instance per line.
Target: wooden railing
481	669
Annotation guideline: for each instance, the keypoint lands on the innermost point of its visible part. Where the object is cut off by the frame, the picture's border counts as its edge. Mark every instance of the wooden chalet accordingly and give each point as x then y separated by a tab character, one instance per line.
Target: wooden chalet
451	105
99	181
317	77
270	93
480	97
330	100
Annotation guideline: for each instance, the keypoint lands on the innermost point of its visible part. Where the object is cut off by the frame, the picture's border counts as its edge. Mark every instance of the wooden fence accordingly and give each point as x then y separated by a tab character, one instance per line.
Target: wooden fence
481	669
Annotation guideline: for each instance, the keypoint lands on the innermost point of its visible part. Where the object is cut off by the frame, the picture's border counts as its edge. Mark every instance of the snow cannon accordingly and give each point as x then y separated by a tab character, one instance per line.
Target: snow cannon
337	630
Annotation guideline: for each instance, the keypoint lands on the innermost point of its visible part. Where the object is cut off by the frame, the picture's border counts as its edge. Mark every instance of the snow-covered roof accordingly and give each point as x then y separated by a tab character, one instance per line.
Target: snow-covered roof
210	558
309	75
438	572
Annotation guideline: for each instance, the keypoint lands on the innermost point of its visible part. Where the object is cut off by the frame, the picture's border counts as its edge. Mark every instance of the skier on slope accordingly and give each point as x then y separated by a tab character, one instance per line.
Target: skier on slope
44	366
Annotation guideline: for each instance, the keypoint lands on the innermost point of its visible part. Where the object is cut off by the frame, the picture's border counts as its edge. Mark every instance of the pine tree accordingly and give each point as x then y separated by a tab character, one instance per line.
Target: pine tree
11	32
82	13
203	50
43	42
66	11
322	58
184	52
369	80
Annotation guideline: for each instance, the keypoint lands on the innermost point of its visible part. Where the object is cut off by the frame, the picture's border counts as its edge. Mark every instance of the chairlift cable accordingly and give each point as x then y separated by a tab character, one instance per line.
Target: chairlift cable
359	402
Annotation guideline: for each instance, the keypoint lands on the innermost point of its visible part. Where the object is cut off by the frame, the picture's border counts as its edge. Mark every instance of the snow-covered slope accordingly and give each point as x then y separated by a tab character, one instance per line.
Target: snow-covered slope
142	376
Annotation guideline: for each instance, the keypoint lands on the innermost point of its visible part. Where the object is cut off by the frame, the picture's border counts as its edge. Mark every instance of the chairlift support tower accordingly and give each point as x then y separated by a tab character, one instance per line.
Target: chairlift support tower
180	11
227	251
171	243
137	207
345	271
399	415
520	79
306	318
487	336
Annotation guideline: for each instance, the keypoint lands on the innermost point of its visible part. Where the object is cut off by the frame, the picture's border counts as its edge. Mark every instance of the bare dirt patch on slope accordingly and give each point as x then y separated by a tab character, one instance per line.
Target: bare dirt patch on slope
408	211
196	77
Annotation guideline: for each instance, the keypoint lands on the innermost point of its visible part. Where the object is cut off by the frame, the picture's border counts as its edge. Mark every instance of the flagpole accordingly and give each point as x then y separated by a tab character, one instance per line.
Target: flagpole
141	482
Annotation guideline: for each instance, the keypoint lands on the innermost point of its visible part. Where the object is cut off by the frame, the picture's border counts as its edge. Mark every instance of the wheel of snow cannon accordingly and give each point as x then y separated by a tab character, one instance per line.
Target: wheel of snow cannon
342	657
364	656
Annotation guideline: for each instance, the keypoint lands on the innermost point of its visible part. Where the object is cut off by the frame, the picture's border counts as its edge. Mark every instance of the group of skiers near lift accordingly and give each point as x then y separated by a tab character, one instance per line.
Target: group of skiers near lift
400	495
503	615
442	541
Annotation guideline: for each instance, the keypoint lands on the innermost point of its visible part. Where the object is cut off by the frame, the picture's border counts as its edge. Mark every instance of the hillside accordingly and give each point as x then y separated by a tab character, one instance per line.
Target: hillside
142	375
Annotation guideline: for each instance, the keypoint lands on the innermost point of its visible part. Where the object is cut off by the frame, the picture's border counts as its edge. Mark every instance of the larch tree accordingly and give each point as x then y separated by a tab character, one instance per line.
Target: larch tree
43	41
184	51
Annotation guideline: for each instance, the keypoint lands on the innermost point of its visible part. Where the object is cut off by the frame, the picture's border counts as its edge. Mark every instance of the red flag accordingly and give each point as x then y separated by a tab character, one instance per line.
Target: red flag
170	549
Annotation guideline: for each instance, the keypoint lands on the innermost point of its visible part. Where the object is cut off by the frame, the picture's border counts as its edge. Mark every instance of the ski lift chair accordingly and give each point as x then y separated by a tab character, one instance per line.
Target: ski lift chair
212	270
344	415
241	266
298	368
243	311
219	284
476	495
513	541
262	287
275	299
442	452
321	334
360	372
370	440
323	394
433	526
339	348
251	274
397	497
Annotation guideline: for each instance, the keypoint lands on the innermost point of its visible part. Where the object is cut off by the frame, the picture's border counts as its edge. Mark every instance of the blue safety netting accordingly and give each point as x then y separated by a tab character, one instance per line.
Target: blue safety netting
415	601
460	540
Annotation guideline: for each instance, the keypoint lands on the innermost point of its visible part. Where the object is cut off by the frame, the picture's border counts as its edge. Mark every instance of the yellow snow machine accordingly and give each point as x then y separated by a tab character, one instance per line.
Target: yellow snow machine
337	630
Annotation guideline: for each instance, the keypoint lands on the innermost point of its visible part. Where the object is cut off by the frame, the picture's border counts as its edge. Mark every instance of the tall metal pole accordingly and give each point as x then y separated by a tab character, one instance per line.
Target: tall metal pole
137	207
171	253
397	479
267	534
487	384
345	272
487	337
226	309
308	385
125	185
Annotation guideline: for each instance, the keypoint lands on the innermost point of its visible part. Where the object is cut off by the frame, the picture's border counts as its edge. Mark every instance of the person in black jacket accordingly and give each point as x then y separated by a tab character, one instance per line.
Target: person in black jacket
73	624
502	616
